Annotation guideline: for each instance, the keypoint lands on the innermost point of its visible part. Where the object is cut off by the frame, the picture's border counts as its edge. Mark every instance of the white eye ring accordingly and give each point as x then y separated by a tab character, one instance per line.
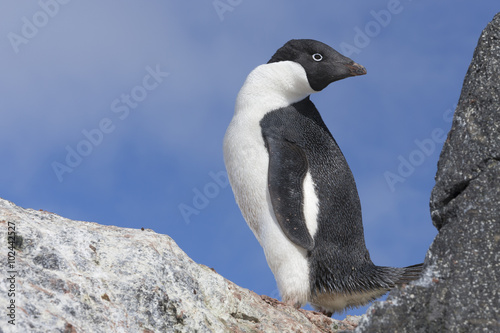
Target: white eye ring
317	57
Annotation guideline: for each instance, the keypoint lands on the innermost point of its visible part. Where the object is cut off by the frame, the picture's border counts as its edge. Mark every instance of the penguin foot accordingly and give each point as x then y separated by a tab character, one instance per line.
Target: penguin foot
295	304
326	313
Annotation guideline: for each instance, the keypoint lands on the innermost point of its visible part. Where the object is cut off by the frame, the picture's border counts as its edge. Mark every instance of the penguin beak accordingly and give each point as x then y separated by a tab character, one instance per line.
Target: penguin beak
356	69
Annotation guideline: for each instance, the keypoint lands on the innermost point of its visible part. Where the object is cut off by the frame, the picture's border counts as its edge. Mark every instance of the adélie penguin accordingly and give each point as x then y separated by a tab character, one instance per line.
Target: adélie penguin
294	186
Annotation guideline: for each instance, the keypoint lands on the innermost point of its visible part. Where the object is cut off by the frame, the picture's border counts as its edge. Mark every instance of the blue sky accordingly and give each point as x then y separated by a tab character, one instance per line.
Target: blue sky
114	112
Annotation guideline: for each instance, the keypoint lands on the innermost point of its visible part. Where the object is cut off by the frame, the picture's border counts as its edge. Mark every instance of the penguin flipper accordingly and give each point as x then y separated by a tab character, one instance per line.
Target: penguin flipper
287	169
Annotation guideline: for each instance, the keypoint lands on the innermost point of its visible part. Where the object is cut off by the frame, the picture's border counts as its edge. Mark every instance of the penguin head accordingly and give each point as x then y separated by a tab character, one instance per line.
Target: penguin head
322	64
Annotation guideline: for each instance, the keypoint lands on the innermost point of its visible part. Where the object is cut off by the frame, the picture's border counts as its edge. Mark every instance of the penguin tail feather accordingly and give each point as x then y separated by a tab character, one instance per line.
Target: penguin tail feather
410	273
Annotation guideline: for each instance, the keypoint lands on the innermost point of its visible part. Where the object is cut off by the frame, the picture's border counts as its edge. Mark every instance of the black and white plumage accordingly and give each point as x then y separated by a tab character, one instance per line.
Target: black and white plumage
294	186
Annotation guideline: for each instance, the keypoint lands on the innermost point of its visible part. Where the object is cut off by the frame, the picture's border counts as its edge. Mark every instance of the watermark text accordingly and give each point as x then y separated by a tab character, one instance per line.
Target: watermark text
31	26
120	106
202	197
424	148
11	273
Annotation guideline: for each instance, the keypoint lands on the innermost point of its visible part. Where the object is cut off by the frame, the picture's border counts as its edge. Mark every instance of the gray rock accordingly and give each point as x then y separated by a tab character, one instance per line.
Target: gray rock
75	276
460	289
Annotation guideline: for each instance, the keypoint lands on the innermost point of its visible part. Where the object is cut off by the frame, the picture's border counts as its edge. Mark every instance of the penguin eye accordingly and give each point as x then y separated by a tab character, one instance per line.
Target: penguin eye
317	57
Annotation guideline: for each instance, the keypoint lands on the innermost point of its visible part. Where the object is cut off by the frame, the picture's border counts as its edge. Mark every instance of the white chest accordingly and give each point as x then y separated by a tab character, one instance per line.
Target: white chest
267	88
